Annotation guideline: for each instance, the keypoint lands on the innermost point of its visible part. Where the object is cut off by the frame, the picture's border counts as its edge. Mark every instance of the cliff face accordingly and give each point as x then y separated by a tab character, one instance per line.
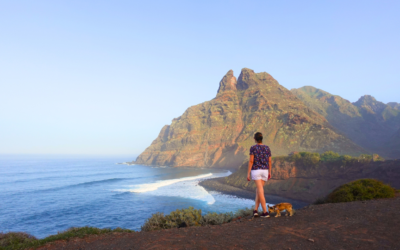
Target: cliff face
367	122
309	183
205	135
218	133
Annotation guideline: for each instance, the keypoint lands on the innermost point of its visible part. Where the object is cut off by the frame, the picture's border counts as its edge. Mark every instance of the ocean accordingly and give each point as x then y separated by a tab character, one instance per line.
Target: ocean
42	195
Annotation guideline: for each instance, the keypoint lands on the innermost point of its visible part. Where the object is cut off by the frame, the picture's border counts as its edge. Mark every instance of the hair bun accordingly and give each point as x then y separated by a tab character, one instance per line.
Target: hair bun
258	137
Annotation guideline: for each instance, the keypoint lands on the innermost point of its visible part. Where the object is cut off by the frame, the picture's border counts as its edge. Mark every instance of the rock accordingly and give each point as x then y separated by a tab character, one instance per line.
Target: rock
311	240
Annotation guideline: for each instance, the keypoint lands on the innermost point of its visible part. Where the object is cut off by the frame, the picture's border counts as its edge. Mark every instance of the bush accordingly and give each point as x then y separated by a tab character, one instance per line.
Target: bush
330	156
178	218
305	158
216	219
15	238
364	189
366	157
244	212
191	217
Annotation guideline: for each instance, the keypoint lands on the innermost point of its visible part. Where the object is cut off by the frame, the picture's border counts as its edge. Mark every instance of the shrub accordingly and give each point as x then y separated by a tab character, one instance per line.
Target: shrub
366	157
376	157
305	158
178	218
216	219
191	217
244	212
348	160
330	156
15	238
364	189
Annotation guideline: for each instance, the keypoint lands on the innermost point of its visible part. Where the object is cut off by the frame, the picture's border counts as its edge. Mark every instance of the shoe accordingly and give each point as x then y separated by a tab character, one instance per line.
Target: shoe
265	215
255	213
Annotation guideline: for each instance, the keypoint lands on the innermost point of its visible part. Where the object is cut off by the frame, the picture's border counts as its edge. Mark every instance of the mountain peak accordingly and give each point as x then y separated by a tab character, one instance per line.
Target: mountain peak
394	105
248	78
370	104
311	91
366	99
228	82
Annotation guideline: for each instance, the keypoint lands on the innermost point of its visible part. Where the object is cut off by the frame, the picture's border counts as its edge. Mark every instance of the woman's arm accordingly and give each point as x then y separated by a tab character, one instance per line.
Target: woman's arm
270	167
250	166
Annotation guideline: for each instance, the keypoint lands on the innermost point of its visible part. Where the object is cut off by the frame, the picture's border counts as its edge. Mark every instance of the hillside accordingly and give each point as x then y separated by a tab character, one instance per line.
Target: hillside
308	182
367	122
394	105
393	145
218	133
352	225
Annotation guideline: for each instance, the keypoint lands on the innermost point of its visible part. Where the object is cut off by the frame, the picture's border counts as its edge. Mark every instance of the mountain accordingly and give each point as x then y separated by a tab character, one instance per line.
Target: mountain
219	133
394	105
367	122
393	145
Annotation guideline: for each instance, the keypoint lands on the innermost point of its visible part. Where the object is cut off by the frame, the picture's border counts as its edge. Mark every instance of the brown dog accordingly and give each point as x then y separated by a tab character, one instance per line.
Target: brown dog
280	207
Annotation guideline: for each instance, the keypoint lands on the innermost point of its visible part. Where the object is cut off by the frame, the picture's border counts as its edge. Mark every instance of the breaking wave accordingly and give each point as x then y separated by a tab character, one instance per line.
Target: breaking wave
141	188
186	187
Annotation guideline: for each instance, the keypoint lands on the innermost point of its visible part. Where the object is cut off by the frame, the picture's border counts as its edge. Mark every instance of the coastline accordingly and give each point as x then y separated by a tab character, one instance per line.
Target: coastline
216	185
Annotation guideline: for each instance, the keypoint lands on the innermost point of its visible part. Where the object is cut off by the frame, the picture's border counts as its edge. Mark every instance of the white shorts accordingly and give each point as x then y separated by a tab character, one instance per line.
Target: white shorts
259	174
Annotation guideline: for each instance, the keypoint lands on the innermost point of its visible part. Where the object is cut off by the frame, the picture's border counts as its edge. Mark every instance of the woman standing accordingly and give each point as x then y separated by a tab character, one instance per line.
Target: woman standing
260	171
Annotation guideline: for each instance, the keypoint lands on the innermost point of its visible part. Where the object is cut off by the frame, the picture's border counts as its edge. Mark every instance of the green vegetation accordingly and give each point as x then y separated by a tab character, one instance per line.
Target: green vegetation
190	217
360	190
18	240
9	240
315	159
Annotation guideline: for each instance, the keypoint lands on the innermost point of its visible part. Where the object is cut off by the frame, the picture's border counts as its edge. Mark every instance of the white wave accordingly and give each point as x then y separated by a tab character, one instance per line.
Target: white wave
186	187
141	188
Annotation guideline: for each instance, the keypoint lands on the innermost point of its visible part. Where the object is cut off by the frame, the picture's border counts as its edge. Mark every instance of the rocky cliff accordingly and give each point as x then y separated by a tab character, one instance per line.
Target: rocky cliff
218	133
367	122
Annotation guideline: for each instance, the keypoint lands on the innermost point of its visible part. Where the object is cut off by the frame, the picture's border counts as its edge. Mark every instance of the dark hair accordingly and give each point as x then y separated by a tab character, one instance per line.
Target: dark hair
258	137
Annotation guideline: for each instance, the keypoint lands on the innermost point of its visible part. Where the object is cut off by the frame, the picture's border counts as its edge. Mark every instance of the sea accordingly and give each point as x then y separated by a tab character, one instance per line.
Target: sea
43	195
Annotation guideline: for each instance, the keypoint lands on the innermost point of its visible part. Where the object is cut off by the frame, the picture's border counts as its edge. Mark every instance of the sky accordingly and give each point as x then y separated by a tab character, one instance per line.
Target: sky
103	77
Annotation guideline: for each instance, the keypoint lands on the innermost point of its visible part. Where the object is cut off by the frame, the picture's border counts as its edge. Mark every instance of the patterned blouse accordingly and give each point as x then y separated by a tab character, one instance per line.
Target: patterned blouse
261	154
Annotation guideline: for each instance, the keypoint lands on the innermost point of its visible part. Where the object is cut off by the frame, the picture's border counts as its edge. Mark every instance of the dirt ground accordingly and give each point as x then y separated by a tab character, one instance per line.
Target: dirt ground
355	225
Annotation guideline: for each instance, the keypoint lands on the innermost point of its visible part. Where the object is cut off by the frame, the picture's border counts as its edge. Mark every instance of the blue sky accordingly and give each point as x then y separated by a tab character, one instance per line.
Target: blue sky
103	77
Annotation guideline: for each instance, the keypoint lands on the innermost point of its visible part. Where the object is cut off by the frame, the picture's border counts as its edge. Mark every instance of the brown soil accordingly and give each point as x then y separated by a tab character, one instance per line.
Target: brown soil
356	225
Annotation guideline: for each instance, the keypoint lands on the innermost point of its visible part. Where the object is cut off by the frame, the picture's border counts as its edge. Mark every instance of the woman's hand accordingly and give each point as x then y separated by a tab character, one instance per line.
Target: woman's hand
248	177
269	175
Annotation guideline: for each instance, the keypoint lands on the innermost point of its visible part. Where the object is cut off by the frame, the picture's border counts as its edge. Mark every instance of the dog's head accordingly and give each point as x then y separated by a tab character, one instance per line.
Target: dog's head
271	209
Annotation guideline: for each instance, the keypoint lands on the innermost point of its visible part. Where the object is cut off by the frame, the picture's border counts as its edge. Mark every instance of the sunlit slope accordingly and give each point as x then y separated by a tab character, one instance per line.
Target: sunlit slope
367	122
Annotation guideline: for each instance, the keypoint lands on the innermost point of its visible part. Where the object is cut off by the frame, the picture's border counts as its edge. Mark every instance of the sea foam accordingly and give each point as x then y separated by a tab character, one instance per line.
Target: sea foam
186	187
141	188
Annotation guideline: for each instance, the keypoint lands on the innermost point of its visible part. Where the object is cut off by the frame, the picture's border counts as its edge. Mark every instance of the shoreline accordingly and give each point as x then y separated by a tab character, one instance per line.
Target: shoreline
215	185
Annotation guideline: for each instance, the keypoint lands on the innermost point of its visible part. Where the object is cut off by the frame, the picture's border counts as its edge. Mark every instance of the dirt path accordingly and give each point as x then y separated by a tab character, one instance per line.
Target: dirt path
356	225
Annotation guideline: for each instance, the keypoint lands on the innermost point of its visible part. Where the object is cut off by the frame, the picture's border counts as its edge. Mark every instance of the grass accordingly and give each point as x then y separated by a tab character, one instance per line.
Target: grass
360	190
18	240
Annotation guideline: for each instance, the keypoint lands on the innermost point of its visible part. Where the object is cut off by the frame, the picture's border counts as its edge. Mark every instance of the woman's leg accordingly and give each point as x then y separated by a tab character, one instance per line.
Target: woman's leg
260	193
257	200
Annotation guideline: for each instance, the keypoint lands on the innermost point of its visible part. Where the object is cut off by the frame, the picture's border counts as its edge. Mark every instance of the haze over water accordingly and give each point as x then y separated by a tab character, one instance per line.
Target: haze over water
42	195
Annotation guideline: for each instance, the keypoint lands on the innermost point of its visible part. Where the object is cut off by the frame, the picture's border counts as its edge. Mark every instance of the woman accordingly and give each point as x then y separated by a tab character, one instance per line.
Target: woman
260	171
